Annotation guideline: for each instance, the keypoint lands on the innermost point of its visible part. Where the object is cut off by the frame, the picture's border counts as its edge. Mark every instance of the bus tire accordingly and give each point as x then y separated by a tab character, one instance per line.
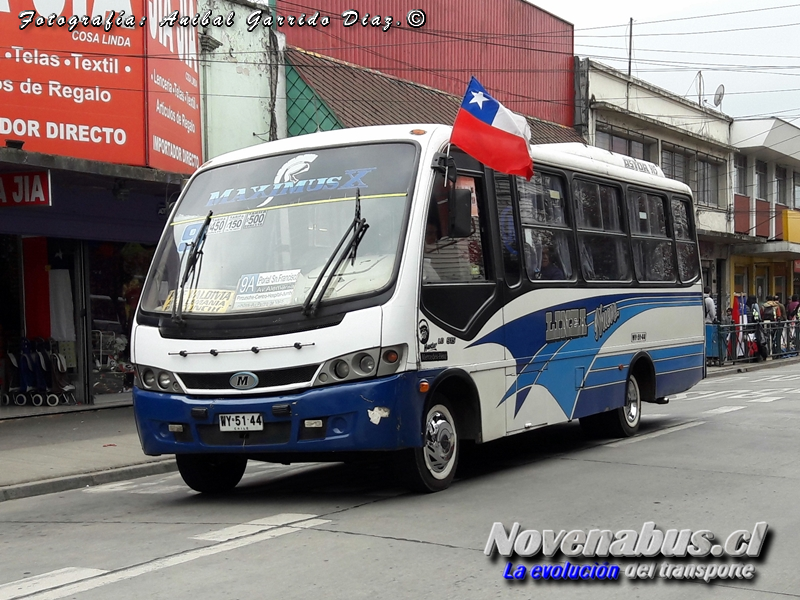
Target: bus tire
620	422
432	467
211	473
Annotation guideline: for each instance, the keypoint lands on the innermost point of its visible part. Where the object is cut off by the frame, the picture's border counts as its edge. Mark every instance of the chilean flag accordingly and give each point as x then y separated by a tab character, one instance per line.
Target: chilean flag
492	134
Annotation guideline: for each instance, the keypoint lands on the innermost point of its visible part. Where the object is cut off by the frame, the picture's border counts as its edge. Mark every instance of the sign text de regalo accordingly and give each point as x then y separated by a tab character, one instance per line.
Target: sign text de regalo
123	93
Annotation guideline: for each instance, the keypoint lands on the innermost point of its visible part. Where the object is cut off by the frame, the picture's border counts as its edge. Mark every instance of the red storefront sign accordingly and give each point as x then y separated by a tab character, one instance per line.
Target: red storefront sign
173	93
31	188
101	92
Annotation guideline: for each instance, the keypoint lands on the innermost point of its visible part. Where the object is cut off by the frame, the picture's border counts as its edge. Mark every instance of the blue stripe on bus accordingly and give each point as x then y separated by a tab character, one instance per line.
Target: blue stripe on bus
661	353
597	400
605	377
525	339
680	362
668	384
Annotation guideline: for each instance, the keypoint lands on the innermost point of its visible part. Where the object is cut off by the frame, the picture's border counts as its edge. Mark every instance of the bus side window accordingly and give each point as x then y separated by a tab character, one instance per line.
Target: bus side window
546	229
602	243
688	261
449	259
508	228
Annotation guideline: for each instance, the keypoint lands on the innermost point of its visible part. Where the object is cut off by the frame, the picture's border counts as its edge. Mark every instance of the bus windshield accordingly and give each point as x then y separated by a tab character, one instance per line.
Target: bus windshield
275	222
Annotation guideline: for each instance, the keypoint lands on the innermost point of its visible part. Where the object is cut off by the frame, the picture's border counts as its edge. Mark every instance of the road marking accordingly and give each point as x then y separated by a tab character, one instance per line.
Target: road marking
655	434
723	409
237	531
46	581
777	378
716	380
169	561
766	399
656	415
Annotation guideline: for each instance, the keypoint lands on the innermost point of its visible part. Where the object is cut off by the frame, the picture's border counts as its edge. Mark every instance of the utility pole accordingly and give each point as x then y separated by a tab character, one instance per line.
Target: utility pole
630	54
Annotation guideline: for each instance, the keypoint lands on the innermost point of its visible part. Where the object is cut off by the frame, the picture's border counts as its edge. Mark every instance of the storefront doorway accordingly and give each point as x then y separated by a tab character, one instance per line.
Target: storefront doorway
66	311
116	274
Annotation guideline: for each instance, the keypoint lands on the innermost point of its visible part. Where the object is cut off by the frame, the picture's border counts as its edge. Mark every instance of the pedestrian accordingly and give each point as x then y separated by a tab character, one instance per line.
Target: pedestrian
791	308
772	315
709	310
727	318
794	329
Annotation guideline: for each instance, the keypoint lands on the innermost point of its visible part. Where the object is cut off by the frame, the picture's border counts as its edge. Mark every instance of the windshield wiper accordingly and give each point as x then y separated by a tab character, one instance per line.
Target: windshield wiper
355	232
192	255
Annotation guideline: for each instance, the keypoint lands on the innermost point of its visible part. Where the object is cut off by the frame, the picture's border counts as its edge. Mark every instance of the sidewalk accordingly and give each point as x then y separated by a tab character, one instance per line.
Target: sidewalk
72	447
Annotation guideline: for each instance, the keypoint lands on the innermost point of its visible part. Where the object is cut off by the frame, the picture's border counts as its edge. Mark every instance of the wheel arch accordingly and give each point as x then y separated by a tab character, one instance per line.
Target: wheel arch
458	387
643	369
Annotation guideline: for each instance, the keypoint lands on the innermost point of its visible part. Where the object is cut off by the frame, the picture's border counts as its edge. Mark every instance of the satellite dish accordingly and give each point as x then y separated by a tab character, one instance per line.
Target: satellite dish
719	94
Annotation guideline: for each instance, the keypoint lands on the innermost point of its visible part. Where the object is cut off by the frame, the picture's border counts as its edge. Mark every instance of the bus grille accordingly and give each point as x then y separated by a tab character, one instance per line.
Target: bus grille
271	378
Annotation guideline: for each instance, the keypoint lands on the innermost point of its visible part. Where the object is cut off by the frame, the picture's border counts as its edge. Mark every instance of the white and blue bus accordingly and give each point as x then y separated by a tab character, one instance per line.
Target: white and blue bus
376	290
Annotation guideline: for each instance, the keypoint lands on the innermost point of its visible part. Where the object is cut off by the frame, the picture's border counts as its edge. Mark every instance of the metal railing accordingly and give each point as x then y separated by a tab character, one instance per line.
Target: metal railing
753	342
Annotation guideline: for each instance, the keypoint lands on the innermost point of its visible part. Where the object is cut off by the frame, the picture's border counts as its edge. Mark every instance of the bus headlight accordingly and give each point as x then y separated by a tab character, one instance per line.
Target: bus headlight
157	380
362	364
164	380
149	378
341	369
367	364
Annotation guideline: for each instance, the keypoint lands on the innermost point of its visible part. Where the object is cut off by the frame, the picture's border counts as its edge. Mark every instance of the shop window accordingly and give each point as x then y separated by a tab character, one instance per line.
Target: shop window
675	165
780	179
740	175
761	180
707	182
615	142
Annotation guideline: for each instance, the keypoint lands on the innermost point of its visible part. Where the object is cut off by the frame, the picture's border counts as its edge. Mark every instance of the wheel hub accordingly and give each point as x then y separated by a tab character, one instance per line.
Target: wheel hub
631	405
439	442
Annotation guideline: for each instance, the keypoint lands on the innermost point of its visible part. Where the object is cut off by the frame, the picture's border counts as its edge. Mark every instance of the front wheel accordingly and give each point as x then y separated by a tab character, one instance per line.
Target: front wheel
211	473
620	422
432	467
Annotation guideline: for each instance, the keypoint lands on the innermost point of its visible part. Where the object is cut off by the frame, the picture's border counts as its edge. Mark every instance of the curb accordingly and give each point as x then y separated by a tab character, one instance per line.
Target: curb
65	410
747	367
72	482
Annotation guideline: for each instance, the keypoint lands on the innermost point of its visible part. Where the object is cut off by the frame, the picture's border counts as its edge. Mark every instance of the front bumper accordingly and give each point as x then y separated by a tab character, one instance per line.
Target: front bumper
353	418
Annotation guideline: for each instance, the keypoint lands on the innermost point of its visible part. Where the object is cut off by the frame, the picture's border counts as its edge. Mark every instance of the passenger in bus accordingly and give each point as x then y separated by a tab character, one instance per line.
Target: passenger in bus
549	269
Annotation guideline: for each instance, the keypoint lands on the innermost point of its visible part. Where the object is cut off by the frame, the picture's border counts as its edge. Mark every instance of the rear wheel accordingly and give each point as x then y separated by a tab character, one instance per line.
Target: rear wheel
211	473
620	422
432	467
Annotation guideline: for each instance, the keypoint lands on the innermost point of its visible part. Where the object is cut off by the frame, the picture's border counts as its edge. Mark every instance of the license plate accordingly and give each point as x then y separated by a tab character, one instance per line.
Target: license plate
241	422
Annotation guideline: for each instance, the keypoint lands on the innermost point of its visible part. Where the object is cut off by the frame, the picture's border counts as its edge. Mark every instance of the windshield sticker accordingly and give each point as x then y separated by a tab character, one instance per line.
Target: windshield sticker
289	180
217	225
265	290
254	219
202	301
235	223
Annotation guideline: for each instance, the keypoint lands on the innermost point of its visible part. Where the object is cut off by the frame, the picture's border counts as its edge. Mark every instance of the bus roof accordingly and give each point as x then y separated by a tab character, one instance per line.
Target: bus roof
573	156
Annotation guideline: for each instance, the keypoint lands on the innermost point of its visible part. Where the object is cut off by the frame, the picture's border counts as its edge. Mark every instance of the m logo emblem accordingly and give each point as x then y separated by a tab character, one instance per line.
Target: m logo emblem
244	380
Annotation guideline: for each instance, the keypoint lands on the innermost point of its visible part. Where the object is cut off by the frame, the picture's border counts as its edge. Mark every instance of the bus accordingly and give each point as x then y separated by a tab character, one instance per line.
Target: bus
375	290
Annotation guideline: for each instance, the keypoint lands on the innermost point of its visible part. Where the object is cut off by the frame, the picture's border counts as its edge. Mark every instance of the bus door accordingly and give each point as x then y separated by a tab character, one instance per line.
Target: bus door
460	298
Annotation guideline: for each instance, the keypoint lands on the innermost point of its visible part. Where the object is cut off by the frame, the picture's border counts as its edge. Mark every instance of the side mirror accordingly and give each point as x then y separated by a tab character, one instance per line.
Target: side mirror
460	209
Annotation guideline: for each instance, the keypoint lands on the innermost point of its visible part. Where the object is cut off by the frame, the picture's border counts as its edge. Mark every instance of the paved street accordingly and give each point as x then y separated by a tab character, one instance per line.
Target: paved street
721	457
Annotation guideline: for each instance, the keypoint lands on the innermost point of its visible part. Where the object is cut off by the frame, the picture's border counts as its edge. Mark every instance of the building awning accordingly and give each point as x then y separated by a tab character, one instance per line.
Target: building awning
777	250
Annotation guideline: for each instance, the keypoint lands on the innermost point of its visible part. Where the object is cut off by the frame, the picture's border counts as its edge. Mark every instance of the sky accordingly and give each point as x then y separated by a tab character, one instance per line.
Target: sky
751	48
